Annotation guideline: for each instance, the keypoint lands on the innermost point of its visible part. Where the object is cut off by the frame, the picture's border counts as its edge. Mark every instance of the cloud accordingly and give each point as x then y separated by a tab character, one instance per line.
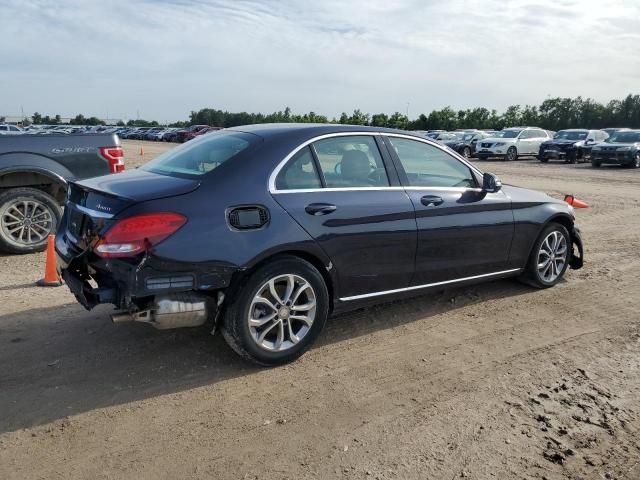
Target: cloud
164	58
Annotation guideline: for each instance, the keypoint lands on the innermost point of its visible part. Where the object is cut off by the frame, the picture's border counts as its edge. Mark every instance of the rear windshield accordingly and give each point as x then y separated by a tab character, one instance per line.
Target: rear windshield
201	155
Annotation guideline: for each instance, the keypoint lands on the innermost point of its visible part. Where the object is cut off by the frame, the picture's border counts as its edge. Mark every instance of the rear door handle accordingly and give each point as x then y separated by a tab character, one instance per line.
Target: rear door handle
320	208
431	201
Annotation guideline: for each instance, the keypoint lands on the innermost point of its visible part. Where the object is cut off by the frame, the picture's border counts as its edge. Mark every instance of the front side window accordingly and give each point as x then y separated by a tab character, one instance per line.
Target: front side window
202	155
299	173
351	162
429	166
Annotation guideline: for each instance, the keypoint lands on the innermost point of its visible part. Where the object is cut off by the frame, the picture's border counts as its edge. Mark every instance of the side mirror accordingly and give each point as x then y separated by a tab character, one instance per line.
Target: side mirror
491	183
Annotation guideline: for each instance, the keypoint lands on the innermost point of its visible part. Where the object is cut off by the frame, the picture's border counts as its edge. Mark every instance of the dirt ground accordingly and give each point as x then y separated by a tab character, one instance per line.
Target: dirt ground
492	381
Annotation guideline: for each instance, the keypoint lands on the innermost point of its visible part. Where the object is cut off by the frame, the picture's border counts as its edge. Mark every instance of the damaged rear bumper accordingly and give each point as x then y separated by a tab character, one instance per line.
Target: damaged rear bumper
133	283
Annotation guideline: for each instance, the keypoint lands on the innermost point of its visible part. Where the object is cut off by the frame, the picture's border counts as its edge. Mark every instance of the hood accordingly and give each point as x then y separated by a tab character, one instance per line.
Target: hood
497	139
139	185
563	141
617	145
526	196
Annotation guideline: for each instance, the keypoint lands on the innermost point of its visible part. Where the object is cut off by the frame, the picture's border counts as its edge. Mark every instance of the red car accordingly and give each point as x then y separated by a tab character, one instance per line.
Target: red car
201	131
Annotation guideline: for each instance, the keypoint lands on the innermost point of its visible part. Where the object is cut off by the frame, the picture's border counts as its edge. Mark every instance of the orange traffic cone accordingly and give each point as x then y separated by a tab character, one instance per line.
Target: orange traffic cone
141	152
51	277
574	202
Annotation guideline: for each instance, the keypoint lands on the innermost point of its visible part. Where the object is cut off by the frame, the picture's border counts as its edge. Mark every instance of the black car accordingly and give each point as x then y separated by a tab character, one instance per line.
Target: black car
271	228
622	148
466	144
572	145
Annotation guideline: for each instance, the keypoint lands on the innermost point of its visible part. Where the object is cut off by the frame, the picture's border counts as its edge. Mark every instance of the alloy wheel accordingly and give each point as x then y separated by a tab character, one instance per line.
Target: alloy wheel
552	256
26	222
282	312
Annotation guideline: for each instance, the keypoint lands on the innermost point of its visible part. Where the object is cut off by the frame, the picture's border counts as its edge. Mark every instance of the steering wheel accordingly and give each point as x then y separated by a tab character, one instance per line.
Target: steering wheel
377	176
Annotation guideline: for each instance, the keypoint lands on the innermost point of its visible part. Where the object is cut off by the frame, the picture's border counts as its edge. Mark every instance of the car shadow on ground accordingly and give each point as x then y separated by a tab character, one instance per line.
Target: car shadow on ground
64	360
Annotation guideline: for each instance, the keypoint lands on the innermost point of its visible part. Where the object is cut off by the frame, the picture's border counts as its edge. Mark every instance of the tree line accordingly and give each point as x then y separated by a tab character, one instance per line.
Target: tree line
552	114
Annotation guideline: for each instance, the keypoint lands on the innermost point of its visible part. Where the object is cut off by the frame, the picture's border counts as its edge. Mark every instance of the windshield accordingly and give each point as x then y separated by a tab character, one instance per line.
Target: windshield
507	133
202	155
467	137
624	137
570	135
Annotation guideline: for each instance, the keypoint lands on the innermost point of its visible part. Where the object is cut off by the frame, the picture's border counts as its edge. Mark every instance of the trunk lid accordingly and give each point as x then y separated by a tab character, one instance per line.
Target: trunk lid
92	203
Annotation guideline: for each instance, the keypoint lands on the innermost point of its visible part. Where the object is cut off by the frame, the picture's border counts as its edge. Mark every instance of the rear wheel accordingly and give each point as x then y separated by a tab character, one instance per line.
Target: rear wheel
278	312
27	217
549	258
512	154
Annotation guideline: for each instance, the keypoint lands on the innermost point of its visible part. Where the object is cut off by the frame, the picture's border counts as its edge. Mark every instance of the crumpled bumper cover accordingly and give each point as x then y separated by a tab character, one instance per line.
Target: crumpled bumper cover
127	282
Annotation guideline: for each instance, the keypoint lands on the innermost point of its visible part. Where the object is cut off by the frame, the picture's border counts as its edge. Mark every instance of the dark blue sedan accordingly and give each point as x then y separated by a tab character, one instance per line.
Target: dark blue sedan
268	229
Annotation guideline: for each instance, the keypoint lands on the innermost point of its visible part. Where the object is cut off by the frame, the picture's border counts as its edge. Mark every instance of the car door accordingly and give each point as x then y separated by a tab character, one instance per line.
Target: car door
523	142
462	231
539	136
342	192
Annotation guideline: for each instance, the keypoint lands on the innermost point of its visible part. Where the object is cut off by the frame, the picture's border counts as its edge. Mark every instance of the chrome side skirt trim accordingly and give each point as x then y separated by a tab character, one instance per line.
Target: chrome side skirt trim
418	287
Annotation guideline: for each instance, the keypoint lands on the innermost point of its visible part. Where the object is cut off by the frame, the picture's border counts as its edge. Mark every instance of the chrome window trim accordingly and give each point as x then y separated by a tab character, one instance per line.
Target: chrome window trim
418	287
283	162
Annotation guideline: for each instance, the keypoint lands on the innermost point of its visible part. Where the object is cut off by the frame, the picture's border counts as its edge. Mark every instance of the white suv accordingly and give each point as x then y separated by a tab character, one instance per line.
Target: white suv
511	143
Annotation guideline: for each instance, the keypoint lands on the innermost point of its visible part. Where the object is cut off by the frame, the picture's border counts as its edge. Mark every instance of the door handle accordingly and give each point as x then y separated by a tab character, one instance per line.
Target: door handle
431	201
320	208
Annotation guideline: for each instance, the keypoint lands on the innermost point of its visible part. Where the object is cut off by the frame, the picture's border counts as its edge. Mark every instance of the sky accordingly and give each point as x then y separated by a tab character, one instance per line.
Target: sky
162	59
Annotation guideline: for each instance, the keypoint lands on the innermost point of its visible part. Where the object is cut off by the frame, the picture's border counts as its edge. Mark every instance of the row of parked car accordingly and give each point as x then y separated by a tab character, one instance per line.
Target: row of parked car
157	134
619	146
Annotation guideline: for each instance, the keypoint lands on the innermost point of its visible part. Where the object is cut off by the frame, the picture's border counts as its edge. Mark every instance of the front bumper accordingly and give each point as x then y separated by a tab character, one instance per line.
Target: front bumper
616	158
129	283
553	154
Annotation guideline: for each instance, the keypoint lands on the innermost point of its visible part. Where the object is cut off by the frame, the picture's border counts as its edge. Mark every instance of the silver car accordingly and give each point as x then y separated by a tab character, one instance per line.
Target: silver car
512	143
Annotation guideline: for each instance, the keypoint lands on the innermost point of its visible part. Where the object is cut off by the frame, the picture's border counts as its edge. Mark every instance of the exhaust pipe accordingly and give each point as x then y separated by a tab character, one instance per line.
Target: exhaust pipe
170	311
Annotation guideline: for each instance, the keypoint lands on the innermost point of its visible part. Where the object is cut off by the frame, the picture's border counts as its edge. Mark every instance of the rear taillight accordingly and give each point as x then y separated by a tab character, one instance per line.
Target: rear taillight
136	234
113	155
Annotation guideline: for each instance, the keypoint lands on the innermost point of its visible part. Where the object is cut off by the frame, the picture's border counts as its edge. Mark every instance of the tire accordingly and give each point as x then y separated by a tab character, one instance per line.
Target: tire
466	152
636	161
542	277
595	164
512	154
482	157
245	339
15	205
543	159
572	157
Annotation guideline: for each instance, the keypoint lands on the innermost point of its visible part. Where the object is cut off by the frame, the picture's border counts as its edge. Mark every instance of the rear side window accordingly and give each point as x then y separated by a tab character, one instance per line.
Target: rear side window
202	155
299	173
429	166
351	162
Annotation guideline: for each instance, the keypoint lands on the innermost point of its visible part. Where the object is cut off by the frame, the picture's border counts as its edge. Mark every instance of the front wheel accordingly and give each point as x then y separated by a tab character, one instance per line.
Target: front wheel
466	152
636	161
278	312
512	154
549	258
27	217
595	164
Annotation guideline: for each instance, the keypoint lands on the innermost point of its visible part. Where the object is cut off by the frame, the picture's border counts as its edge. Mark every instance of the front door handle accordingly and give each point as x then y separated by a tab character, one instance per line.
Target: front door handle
320	208
431	201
